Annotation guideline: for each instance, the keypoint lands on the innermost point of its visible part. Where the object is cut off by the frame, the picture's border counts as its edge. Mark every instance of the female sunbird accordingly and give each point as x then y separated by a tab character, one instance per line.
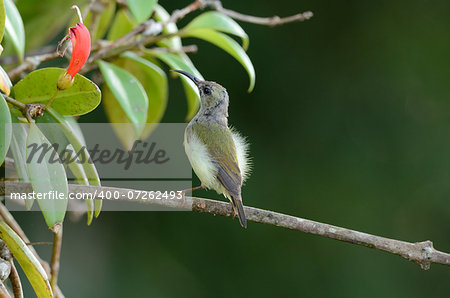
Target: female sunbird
218	154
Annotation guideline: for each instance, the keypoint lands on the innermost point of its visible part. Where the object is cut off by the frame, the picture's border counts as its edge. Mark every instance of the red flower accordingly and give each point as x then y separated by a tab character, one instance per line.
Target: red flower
81	48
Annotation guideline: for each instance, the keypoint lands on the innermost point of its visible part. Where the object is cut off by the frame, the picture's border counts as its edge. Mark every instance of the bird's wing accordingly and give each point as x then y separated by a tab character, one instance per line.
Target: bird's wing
221	147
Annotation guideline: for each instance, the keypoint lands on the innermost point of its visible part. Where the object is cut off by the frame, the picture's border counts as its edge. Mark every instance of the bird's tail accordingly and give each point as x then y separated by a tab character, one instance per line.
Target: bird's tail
239	209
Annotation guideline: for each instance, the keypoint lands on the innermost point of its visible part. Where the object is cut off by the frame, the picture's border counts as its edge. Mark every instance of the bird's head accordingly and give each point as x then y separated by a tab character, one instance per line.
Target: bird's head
214	97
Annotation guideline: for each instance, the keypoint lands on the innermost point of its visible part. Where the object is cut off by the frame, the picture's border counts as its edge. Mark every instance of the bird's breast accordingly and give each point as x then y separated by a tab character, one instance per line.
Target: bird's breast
200	159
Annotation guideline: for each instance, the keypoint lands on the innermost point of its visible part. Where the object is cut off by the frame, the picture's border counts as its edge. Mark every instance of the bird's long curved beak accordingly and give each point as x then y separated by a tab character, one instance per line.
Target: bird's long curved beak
194	79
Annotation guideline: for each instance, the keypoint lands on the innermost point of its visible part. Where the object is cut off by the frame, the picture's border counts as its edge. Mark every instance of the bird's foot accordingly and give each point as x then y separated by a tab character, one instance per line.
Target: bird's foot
234	211
184	192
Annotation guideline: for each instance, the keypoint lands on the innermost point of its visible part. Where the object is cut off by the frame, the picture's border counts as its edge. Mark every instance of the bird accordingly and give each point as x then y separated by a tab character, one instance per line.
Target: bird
218	154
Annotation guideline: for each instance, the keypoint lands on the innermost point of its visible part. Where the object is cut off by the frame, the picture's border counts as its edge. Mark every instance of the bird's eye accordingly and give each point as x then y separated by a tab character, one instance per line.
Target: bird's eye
207	91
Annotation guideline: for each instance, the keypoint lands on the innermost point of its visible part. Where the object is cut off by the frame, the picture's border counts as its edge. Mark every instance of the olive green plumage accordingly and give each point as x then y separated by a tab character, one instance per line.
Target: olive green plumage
218	154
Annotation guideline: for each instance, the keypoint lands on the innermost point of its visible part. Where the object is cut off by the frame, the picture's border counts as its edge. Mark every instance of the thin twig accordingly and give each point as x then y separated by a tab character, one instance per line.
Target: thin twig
56	254
270	21
40	243
15	280
14	102
184	49
421	253
128	38
31	63
181	13
13	59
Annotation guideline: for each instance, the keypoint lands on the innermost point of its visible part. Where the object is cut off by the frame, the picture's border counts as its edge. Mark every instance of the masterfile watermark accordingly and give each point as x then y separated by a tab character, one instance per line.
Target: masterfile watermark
152	168
141	152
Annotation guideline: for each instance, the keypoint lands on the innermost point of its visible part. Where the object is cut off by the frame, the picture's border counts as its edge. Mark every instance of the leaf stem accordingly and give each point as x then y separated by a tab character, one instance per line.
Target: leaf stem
51	99
14	102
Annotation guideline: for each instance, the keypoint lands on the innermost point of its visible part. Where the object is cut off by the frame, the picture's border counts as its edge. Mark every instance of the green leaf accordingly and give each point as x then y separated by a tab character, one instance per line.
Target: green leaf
51	130
5	128
129	93
14	28
40	86
141	9
73	133
154	81
162	16
19	152
75	128
54	133
46	176
2	20
227	44
182	62
30	265
219	22
122	24
77	169
102	21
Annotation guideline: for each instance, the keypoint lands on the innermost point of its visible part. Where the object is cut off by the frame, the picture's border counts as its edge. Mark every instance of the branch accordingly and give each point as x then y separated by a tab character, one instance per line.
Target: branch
15	280
421	253
31	63
270	21
57	230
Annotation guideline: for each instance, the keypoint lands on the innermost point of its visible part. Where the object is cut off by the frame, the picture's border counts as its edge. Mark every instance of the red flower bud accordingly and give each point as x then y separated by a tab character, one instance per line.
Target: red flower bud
81	48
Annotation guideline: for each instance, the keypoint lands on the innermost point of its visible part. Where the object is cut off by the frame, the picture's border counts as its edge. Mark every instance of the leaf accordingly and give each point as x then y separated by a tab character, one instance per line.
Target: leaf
75	128
227	44
219	22
162	16
75	137
121	25
141	9
19	152
14	28
52	132
154	81
183	63
5	128
129	93
46	176
77	169
40	86
30	265
2	20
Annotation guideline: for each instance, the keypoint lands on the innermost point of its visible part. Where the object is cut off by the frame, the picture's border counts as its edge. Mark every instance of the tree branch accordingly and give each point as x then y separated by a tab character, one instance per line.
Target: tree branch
57	230
270	21
421	253
31	63
15	280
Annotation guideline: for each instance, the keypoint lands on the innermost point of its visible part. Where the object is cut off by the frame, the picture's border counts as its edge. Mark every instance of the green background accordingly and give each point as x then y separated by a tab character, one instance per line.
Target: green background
349	124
